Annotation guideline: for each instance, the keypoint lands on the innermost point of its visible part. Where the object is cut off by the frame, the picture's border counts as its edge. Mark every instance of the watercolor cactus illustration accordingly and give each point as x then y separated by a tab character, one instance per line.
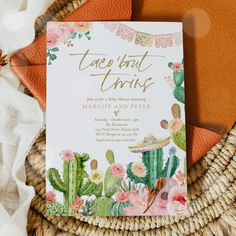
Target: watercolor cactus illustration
113	176
118	208
151	168
178	80
153	164
176	127
102	206
73	176
112	180
93	185
55	209
143	188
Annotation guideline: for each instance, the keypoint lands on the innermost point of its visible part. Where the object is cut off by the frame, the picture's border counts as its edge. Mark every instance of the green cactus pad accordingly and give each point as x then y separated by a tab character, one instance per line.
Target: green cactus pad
111	183
134	178
178	77
118	207
179	138
110	156
179	94
102	206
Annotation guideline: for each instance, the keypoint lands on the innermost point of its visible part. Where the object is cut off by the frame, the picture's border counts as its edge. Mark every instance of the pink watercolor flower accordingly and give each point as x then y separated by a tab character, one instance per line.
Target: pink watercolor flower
175	125
77	205
82	27
177	200
117	170
177	67
67	155
50	196
56	34
139	169
122	197
139	203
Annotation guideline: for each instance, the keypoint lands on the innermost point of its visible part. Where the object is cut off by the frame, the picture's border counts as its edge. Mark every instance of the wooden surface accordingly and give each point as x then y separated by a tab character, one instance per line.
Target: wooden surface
210	55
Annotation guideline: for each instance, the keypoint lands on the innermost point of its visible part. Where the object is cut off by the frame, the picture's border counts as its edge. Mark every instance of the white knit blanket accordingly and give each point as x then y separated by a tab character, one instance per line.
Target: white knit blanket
21	117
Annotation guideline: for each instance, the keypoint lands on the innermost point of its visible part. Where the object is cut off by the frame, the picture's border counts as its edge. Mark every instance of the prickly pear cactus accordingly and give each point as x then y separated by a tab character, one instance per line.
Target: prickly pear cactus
118	207
179	138
102	206
111	180
178	77
176	127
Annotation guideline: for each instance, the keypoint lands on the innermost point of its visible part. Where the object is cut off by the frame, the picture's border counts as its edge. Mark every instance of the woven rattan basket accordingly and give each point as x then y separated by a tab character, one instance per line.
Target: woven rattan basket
211	185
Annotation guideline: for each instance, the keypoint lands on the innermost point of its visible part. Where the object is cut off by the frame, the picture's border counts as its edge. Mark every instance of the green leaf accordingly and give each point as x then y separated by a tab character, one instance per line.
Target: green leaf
53	57
73	35
48	54
87	33
80	36
179	93
88	37
56	49
170	64
49	63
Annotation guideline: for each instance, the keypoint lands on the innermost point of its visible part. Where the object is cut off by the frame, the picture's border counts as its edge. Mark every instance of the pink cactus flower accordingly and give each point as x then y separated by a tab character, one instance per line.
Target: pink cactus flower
175	125
177	67
117	170
139	169
139	203
50	196
122	197
177	200
67	155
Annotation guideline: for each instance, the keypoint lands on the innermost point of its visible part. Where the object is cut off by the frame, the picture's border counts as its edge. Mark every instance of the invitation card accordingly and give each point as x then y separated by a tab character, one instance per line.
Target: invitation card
116	143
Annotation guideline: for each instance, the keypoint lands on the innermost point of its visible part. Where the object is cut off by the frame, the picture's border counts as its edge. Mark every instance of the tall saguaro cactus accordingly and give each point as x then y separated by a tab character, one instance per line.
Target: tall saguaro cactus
73	176
153	161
